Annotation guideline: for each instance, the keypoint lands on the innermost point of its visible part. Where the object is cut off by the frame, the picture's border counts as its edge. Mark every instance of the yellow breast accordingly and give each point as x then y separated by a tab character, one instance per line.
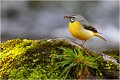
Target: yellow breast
78	31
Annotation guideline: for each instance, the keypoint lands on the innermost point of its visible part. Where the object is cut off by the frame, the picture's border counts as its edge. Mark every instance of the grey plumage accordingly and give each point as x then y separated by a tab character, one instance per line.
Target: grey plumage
81	20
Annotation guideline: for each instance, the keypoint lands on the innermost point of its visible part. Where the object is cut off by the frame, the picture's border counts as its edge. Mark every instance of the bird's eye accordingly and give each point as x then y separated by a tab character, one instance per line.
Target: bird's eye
73	17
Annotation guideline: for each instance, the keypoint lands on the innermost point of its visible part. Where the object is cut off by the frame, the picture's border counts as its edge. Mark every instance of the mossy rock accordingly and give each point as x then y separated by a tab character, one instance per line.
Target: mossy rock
30	59
113	53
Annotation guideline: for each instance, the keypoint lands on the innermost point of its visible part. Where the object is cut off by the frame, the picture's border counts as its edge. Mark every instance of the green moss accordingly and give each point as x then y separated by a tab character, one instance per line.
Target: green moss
30	59
23	59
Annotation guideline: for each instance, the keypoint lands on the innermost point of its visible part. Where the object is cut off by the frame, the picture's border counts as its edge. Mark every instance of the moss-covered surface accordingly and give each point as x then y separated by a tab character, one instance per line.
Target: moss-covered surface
113	53
30	59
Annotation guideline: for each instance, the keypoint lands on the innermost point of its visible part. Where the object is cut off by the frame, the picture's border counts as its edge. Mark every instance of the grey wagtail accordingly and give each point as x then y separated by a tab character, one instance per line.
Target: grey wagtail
81	29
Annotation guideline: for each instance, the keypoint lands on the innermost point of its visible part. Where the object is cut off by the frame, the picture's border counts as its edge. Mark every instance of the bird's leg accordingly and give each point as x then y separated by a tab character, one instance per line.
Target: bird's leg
83	42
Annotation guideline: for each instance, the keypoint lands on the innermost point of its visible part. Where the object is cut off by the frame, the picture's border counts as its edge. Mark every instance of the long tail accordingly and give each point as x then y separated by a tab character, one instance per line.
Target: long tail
100	37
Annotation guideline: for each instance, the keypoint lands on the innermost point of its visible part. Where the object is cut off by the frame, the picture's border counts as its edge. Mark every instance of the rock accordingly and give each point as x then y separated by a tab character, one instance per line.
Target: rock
30	59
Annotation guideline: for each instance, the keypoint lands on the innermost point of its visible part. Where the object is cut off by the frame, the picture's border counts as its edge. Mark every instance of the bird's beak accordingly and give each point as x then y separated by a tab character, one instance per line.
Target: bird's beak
68	17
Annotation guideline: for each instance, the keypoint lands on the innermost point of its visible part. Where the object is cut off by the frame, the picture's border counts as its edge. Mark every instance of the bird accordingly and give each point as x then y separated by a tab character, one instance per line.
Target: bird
81	29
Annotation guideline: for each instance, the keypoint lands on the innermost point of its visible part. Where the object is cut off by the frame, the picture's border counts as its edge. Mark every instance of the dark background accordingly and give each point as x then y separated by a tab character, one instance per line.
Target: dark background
44	19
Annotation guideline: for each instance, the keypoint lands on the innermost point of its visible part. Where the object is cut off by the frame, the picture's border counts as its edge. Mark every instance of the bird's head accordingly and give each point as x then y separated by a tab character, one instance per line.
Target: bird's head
75	17
71	18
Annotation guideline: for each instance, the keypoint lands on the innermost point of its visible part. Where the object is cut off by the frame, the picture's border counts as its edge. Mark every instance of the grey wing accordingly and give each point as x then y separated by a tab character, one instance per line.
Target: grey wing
86	24
90	28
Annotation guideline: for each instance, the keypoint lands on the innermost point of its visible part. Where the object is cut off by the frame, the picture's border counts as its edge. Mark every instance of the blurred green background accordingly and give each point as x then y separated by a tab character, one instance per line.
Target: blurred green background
44	19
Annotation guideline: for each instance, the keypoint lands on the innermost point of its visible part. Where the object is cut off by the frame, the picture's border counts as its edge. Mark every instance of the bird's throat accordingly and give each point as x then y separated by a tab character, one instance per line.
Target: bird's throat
71	20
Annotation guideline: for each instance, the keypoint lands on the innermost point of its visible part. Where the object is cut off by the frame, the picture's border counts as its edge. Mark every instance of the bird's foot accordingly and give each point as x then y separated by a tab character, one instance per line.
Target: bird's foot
82	45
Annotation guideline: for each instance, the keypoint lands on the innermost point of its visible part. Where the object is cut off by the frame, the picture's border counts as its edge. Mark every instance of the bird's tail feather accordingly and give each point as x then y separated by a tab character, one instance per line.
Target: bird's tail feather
100	37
